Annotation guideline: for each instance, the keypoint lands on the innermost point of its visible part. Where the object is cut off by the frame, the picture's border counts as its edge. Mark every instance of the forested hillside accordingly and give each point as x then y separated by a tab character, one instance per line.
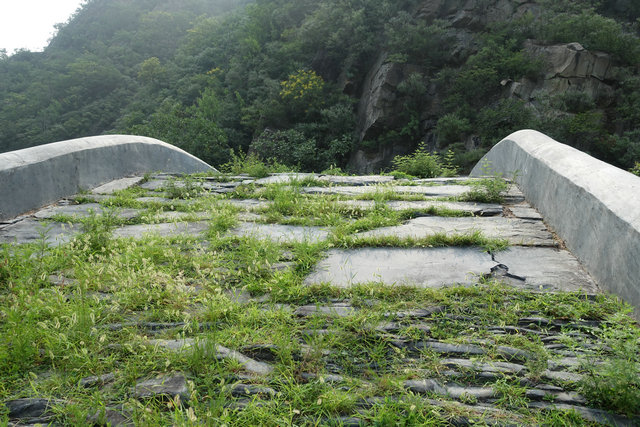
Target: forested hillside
350	83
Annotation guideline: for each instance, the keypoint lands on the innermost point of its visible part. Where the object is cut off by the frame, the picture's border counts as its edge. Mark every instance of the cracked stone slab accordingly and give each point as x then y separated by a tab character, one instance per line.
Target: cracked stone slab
84	210
427	191
117	185
481	209
516	231
163	229
423	267
525	211
281	233
546	268
32	230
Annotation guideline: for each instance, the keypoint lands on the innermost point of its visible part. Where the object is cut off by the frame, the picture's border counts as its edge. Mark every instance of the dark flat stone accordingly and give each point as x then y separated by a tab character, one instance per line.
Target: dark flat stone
425	386
165	386
511	353
98	380
251	390
447	349
20	409
110	417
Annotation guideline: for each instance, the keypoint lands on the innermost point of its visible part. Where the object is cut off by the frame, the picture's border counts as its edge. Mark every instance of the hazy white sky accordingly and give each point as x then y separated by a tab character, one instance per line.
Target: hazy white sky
29	23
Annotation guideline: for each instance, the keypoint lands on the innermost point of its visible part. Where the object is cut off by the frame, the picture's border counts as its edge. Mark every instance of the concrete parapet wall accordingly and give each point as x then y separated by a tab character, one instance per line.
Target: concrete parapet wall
593	206
37	176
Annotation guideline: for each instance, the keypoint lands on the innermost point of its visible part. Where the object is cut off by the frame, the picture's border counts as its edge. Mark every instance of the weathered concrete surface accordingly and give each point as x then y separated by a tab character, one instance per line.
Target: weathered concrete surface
516	231
38	176
527	268
593	206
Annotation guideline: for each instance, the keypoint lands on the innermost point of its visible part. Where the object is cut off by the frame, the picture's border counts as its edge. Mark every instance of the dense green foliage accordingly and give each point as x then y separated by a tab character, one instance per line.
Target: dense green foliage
283	78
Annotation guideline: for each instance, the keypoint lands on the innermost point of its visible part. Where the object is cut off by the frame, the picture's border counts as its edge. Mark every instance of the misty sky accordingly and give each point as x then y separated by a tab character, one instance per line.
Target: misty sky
29	23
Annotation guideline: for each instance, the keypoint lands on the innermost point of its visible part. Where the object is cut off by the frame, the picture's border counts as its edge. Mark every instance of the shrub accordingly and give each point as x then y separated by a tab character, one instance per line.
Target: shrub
636	169
253	165
423	164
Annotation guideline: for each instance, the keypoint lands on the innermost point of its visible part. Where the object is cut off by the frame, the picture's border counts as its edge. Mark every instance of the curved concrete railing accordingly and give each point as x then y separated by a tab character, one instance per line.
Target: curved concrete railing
37	176
593	206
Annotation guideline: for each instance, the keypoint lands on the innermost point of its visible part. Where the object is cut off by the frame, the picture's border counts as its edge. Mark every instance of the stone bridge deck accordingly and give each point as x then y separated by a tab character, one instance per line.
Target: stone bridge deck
429	347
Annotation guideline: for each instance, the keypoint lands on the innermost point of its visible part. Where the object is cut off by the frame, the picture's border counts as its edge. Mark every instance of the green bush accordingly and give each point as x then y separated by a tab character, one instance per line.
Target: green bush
253	165
594	32
636	169
423	164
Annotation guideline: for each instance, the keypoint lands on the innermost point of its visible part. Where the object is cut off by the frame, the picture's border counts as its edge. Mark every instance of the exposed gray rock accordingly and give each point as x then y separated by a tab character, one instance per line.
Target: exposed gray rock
523	211
248	204
155	184
261	352
166	386
479	393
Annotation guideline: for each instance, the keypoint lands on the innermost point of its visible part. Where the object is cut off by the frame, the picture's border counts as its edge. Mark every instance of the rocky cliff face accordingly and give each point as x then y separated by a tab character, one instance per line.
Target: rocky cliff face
564	67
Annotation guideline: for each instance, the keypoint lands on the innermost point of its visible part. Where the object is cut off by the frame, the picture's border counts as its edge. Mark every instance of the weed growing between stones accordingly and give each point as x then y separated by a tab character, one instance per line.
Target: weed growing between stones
229	321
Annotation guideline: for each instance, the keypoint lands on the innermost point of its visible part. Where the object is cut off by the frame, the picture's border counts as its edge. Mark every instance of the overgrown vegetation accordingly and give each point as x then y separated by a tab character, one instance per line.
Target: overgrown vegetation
93	306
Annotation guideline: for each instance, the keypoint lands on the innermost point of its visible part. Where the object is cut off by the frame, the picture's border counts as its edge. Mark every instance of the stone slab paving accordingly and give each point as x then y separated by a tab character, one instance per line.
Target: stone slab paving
84	210
516	231
31	230
420	267
281	233
527	268
427	191
168	229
